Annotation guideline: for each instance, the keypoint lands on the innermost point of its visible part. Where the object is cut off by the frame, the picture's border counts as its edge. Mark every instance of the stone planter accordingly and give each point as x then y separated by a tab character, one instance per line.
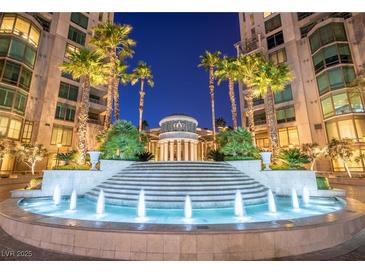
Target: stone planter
266	159
94	158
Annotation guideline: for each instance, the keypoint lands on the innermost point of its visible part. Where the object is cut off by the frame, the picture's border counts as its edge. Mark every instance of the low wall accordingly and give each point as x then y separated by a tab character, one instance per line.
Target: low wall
80	180
281	181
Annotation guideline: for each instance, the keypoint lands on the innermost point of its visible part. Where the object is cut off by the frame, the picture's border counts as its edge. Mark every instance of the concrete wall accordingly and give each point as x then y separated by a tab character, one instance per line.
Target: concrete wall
281	181
81	180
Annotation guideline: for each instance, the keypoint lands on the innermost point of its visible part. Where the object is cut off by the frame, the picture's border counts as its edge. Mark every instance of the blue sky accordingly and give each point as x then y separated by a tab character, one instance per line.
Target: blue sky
171	44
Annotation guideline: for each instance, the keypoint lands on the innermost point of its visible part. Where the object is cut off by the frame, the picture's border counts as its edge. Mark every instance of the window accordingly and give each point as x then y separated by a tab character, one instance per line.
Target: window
1	67
273	23
65	112
252	19
284	95
6	97
69	76
305	29
347	128
29	56
68	91
61	135
76	36
262	140
331	55
27	132
302	15
22	28
20	102
70	49
79	19
4	45
342	103
14	129
327	34
288	136
285	115
259	117
335	78
3	125
100	16
278	57
275	40
11	73
25	78
258	100
360	128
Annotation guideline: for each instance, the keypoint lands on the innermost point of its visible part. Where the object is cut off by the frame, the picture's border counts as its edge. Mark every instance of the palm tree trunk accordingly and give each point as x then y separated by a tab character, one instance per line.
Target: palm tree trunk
271	121
211	88
250	116
233	102
347	168
109	103
116	98
83	118
313	163
141	103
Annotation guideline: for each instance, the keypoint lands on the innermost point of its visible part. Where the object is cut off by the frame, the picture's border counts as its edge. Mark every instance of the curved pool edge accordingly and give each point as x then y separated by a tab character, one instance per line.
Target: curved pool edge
183	242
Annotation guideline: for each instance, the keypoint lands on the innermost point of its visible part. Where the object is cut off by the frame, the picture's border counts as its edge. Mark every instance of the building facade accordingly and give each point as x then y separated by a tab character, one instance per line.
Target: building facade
179	139
38	103
325	52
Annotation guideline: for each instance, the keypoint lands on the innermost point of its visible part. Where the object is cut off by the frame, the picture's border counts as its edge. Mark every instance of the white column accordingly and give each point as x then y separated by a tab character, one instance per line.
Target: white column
161	152
149	146
186	150
171	150
195	145
179	150
165	151
191	147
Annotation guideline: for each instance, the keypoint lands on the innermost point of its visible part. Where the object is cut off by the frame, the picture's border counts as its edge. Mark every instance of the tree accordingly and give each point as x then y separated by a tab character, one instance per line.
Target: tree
31	154
227	69
249	66
122	141
294	158
112	42
237	144
86	65
270	79
142	73
313	151
221	123
7	147
342	150
145	124
121	77
209	62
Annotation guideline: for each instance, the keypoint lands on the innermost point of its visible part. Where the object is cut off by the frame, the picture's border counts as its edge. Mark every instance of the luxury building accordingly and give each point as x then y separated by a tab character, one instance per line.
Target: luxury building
179	139
38	103
325	53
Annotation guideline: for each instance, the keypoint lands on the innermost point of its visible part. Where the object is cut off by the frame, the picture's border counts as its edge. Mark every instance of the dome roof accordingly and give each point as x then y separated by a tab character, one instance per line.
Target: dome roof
178	116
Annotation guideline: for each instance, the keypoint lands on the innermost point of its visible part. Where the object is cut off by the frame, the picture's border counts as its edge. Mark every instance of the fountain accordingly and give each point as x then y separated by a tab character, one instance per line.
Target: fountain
57	195
294	199
305	195
141	210
73	200
100	206
271	201
188	208
238	205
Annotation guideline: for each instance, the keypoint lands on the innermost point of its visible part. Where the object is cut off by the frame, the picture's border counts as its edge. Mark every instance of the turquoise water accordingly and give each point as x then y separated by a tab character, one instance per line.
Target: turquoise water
254	213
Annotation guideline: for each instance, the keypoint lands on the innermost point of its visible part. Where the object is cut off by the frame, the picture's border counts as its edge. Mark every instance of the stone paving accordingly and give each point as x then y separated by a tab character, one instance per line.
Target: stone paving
11	249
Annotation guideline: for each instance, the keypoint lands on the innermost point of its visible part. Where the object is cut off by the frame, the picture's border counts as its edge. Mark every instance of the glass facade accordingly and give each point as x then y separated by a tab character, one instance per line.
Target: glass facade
327	34
335	78
15	74
259	117
284	95
12	100
79	19
61	135
288	136
351	127
65	112
273	23
76	35
10	127
342	103
275	40
285	115
278	57
68	91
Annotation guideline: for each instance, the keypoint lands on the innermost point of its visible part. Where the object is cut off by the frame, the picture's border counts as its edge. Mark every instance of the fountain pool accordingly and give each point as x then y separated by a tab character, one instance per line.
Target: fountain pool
86	210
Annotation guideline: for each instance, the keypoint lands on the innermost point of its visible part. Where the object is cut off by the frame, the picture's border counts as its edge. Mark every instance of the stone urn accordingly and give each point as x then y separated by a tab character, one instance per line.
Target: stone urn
94	158
266	159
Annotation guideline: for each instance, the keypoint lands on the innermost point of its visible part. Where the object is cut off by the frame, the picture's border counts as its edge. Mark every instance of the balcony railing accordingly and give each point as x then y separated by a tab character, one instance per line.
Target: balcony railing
250	45
97	101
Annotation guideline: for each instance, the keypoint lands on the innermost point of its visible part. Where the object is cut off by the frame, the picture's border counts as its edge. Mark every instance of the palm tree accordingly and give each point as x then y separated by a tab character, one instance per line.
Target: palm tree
209	61
227	69
145	124
248	69
121	76
270	79
142	73
111	40
86	65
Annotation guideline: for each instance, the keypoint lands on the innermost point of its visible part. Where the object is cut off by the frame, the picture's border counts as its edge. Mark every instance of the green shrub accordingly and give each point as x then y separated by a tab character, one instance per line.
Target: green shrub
35	183
72	167
145	156
216	155
237	145
294	158
67	156
122	142
322	183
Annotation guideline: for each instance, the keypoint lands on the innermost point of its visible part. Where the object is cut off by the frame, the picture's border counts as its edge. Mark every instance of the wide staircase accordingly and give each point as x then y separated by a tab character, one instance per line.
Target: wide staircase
166	184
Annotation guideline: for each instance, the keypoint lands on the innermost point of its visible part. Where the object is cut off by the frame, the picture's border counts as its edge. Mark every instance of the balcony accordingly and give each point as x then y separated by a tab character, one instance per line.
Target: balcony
250	46
97	105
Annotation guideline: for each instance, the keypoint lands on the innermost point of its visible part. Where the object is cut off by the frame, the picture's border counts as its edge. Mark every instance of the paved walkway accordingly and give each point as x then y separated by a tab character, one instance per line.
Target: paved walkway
354	249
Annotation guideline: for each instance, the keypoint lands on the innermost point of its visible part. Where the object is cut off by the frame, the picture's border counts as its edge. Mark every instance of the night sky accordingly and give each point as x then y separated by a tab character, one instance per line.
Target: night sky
171	43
